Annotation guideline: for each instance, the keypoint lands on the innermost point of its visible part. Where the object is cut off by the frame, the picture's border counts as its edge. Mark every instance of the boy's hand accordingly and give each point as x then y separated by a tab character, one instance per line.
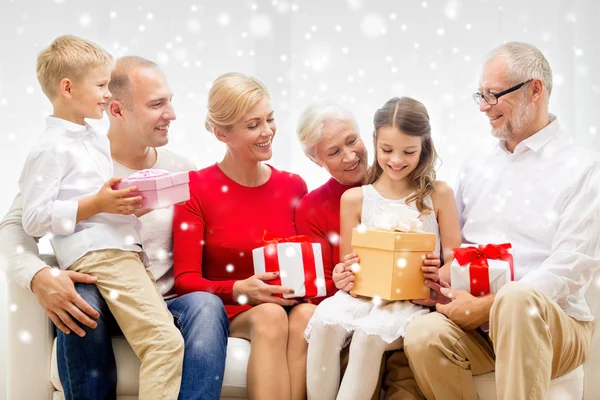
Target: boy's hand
116	201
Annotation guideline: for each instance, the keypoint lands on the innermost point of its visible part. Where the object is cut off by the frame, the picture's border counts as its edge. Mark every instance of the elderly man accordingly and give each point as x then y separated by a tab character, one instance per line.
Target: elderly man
539	192
140	113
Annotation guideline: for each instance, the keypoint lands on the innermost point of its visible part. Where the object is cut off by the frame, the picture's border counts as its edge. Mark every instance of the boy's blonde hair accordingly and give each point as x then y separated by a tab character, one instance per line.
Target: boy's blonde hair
68	57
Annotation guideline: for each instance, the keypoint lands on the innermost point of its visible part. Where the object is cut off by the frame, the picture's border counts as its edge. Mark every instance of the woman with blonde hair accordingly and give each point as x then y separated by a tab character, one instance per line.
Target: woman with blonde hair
232	203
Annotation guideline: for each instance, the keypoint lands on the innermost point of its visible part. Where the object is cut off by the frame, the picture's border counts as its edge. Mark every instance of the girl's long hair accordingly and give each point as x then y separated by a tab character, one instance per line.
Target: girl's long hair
409	116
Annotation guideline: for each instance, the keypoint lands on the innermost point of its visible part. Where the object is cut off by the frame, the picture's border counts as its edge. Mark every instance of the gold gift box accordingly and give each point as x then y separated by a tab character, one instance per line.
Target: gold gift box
390	263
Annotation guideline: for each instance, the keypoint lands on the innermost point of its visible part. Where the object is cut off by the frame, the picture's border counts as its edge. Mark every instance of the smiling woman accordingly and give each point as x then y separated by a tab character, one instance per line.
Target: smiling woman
232	203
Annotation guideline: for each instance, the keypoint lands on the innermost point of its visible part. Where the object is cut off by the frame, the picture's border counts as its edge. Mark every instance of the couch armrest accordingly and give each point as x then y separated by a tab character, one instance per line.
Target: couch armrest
30	335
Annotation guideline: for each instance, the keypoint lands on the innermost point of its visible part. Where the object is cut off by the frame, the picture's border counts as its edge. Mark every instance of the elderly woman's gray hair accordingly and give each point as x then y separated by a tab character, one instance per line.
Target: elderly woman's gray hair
525	62
313	119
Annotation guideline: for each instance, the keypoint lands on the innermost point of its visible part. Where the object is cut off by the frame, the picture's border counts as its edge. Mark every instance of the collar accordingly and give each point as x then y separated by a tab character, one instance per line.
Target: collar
54	122
539	139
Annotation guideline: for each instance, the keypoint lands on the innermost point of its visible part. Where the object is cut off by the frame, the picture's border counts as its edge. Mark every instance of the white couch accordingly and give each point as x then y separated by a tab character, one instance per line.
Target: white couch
33	374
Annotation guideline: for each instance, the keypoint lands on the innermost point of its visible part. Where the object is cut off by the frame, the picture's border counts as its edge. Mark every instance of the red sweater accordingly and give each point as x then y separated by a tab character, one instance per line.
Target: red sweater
318	216
215	232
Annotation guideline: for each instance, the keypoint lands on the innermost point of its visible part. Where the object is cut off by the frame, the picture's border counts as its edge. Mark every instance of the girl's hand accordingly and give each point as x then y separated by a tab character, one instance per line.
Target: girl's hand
343	277
255	291
431	267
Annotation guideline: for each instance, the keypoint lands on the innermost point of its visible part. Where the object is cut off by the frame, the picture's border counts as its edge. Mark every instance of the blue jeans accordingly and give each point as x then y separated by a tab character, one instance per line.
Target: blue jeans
87	368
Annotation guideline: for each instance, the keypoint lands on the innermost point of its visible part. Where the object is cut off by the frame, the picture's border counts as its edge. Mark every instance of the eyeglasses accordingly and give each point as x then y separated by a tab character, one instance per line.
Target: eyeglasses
492	98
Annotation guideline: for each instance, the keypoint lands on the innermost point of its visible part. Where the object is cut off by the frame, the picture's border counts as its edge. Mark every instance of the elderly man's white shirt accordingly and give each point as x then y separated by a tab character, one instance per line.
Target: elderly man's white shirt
68	163
544	199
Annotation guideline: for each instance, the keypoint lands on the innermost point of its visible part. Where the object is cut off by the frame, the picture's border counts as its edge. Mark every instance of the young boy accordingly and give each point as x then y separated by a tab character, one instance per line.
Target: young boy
66	185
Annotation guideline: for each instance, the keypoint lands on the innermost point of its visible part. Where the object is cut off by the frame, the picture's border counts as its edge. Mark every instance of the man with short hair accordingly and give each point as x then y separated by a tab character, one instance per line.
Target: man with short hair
539	192
140	113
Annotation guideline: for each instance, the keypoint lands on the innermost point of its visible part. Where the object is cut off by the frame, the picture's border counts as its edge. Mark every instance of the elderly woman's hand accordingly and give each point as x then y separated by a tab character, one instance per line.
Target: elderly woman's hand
431	267
343	277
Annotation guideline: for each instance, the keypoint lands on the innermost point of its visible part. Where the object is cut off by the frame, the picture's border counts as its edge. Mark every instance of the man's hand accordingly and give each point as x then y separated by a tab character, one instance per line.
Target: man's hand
438	297
56	293
464	309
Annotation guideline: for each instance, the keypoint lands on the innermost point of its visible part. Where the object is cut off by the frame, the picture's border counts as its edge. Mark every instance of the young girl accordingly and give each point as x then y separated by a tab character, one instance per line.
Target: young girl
403	172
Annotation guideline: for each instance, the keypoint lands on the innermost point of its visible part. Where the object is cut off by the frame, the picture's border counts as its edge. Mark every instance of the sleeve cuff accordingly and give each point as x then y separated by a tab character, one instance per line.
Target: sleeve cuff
228	295
549	284
64	217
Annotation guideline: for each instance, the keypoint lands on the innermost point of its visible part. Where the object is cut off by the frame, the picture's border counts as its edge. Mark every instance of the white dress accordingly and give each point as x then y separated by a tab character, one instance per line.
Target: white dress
387	319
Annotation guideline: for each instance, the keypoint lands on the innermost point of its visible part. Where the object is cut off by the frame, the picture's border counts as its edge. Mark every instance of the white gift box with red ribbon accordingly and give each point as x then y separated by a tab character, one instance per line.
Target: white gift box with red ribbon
482	270
299	263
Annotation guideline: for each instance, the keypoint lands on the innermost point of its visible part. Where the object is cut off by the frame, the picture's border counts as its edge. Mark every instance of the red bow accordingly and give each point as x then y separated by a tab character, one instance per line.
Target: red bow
308	260
478	269
272	239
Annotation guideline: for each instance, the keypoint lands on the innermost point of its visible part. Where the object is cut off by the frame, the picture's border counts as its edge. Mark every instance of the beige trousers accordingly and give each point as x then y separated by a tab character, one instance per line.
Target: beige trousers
532	338
138	307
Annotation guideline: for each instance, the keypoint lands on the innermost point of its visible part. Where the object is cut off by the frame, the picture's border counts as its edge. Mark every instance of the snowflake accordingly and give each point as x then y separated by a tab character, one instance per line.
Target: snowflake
241	354
424	4
393	16
54	271
401	263
224	188
355	267
25	336
440	31
373	26
290	252
533	311
129	239
19	249
162	254
361	228
338	28
114	294
184	226
85	20
13	307
224	19
193	26
376	300
451	9
150	16
260	26
141	28
242	299
334	238
283	274
320	282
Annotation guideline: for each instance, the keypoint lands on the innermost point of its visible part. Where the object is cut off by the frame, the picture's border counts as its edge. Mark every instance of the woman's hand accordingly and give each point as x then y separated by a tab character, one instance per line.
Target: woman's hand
343	277
431	267
255	291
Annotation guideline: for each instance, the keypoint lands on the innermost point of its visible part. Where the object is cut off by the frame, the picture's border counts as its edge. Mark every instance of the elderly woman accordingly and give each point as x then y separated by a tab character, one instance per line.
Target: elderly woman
232	203
330	138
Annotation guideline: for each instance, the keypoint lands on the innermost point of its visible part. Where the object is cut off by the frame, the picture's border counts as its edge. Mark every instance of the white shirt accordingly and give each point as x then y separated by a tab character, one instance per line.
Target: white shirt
544	199
21	252
68	163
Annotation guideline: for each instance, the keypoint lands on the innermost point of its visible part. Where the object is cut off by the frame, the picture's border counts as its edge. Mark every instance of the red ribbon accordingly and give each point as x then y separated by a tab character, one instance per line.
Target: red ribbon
479	269
308	260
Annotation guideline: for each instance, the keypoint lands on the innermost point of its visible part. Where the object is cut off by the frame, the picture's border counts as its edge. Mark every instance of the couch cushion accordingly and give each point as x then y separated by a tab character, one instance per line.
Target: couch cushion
234	381
569	386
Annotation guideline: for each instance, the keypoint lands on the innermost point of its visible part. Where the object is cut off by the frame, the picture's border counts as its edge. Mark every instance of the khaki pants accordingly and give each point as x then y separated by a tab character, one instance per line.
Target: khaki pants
532	338
138	307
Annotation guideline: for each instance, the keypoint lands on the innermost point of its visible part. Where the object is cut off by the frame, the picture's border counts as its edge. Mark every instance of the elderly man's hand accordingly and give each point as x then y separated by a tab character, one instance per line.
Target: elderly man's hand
464	309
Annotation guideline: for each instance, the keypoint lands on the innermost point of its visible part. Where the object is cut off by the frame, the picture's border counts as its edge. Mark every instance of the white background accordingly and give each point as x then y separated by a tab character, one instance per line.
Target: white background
358	52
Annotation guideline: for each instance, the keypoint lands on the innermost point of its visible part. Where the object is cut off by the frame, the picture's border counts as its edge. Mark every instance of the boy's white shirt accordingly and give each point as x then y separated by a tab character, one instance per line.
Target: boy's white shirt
21	251
68	163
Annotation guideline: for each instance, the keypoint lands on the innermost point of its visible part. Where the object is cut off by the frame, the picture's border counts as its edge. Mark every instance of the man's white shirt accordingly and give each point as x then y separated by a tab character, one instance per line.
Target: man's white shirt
68	163
544	199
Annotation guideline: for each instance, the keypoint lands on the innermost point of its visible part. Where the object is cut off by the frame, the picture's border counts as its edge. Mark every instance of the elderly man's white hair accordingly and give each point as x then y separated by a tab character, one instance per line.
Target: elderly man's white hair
525	62
313	120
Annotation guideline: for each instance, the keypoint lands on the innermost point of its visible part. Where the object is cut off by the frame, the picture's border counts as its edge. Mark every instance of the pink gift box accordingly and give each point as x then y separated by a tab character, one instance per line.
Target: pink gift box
158	188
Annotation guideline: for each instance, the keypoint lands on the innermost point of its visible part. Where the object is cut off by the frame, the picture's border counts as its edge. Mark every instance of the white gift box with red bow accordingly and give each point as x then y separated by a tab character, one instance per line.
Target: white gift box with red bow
482	270
300	266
